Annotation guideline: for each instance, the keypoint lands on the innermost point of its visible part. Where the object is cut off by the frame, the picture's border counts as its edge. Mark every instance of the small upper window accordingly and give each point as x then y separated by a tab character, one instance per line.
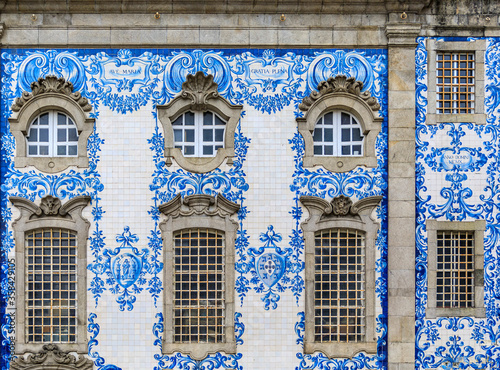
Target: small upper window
340	126
455	83
199	126
199	134
52	134
51	126
338	134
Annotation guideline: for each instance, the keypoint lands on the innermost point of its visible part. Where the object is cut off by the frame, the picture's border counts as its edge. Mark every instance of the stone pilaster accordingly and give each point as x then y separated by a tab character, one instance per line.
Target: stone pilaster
401	249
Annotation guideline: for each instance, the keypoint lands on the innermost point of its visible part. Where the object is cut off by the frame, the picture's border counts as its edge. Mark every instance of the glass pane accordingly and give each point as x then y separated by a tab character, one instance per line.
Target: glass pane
328	149
318	150
177	135
356	134
188	150
189	136
346	134
44	135
208	135
345	119
356	149
44	150
328	135
189	118
72	150
219	121
61	119
328	119
72	134
318	135
33	135
219	134
61	135
207	118
178	121
208	150
61	150
44	119
32	150
346	150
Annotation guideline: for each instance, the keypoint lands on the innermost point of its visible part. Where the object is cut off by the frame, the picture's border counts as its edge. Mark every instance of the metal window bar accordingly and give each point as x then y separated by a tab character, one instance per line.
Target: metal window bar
199	293
455	82
51	286
339	300
455	269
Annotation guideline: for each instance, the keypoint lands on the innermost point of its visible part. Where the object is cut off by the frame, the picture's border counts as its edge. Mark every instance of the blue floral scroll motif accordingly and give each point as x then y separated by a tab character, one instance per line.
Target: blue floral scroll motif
124	83
126	268
183	362
270	267
93	328
269	83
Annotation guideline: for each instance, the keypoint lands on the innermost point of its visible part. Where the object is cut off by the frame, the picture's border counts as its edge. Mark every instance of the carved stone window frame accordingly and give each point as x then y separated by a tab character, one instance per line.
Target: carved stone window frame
51	93
340	93
199	211
51	214
478	227
341	213
477	46
199	93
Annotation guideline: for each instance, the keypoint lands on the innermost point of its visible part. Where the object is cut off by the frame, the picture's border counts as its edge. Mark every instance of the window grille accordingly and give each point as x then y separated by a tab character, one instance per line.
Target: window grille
338	134
51	286
199	134
455	269
199	294
455	82
53	134
339	286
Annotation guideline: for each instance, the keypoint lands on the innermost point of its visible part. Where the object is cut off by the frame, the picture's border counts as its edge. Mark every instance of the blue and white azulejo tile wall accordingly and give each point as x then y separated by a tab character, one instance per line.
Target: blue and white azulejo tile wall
127	179
459	192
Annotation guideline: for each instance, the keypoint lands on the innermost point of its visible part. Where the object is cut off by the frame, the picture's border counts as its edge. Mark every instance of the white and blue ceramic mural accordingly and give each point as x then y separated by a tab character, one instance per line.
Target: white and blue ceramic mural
124	266
457	177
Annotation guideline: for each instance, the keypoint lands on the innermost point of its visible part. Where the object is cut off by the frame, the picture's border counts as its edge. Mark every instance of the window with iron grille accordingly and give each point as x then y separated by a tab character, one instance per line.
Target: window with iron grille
455	281
199	293
455	269
455	79
338	134
199	134
339	302
51	286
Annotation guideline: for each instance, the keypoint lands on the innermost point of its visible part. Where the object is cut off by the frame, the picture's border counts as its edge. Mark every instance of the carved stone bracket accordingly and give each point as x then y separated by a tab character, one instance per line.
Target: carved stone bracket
339	84
51	84
199	204
51	358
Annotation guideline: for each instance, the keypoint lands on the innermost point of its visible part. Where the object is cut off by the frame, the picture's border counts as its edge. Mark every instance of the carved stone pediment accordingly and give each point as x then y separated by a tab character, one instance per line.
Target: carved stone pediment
51	358
50	206
199	88
199	204
339	84
51	84
339	207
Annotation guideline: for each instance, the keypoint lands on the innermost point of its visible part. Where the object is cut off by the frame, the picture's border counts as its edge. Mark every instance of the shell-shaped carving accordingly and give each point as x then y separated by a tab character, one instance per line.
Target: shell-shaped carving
339	83
199	83
51	84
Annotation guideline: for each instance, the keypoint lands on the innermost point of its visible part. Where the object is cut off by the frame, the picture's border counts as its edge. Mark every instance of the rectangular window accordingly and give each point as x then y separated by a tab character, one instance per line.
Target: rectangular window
455	80
199	293
455	269
51	286
339	283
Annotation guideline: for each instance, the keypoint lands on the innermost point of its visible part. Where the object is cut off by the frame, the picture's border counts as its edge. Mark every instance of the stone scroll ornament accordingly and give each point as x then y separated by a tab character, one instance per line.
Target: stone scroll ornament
51	357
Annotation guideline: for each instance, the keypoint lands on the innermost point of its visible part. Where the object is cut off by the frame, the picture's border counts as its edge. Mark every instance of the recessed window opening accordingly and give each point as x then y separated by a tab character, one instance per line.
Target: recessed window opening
199	134
339	301
51	286
52	134
199	294
455	82
455	269
338	134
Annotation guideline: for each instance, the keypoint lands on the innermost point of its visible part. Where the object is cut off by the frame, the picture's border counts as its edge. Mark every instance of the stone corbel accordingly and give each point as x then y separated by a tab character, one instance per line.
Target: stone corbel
51	358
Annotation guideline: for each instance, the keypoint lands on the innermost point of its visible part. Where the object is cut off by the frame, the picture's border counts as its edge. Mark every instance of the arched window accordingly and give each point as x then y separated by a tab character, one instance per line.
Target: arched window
199	126
199	134
341	306
340	126
338	134
51	126
52	134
